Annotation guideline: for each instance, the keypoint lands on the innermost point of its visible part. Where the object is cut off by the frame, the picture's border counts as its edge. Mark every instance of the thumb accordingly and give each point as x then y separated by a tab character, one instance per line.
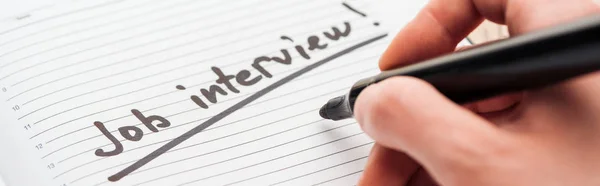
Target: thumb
411	116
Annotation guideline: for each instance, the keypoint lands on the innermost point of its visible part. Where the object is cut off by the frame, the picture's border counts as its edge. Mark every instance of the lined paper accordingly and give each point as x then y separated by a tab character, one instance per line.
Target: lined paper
98	60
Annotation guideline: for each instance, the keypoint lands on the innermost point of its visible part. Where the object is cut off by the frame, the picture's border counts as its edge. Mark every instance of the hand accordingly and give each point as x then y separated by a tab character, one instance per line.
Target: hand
544	137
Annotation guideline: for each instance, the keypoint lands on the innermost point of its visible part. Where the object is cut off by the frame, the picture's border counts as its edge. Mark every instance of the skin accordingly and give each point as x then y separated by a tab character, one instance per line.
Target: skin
549	136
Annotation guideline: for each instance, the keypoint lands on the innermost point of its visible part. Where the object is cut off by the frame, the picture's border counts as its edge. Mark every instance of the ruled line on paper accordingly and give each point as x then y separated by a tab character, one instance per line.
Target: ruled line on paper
80	117
190	122
201	119
45	30
226	124
136	69
161	29
290	179
234	146
182	100
295	165
239	120
59	15
94	47
339	177
234	108
68	137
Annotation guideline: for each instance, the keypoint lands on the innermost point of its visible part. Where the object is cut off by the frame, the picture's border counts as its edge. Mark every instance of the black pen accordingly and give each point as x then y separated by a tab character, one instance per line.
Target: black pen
528	61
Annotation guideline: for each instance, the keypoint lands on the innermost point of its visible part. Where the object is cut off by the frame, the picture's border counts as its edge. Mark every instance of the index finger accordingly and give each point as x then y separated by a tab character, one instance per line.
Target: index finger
436	30
442	24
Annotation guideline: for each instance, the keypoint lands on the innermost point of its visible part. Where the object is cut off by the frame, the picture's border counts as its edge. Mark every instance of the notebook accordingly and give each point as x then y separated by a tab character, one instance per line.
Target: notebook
149	92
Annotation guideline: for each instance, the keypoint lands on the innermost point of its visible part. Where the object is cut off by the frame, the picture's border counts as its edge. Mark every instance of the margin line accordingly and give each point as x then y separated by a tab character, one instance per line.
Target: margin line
230	110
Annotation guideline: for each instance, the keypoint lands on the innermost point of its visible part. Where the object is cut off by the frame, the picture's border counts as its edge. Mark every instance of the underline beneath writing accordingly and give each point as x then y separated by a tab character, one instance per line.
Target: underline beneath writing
171	144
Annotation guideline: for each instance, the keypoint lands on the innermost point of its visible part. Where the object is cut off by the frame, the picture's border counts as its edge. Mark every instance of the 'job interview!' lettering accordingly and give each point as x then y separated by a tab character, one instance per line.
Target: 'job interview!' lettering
223	85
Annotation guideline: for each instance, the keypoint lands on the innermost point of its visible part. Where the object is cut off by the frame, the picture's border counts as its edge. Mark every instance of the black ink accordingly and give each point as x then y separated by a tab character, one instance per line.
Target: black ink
113	139
211	93
147	121
302	52
286	38
299	48
137	133
358	12
126	131
242	77
286	60
313	43
180	87
21	17
336	32
354	10
260	68
224	79
228	111
198	101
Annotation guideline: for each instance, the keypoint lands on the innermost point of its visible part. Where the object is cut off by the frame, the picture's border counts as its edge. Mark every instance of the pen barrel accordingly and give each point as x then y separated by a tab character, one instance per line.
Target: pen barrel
524	62
471	83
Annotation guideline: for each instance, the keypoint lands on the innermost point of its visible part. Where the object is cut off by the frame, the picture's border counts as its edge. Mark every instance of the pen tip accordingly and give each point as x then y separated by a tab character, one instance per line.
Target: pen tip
336	109
323	112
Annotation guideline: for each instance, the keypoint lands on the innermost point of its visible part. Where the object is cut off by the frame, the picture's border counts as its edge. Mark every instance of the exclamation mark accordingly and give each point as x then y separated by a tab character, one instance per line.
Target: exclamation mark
358	12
